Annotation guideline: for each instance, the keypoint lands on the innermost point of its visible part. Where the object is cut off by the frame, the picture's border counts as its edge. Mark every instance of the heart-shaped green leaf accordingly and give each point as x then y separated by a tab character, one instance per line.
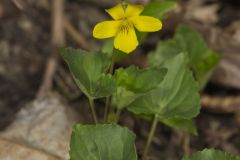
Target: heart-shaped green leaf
176	97
139	80
211	154
88	69
123	97
202	60
102	142
133	82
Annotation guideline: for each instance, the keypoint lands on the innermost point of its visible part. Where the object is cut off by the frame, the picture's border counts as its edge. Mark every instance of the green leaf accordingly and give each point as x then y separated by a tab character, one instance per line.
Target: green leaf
202	60
186	125
102	142
176	97
159	8
139	80
211	154
88	70
132	82
123	97
193	43
166	50
106	86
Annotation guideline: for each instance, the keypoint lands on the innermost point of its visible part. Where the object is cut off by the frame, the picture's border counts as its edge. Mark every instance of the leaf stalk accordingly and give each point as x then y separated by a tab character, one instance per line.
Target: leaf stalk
108	99
150	136
92	106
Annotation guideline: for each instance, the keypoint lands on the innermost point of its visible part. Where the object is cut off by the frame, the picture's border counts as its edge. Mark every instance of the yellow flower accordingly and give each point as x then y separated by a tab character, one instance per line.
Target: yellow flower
123	26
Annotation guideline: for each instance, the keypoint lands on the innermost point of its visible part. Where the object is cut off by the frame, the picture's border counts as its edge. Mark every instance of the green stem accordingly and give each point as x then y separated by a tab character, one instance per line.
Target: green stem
111	67
108	99
124	4
91	102
118	112
150	136
106	110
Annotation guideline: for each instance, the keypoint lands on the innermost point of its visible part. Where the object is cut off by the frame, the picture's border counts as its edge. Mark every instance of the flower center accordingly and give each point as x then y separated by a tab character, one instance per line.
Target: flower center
125	26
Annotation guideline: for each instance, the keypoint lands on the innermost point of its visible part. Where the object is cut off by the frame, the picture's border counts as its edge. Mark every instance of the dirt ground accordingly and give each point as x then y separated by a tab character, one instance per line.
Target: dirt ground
25	47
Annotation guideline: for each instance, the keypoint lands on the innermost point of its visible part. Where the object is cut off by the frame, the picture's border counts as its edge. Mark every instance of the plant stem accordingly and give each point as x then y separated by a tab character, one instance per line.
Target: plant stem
118	112
108	99
150	136
91	102
124	4
106	110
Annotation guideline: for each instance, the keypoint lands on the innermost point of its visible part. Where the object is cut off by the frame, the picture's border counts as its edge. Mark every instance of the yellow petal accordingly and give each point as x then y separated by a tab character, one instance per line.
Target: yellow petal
146	23
133	10
106	29
116	12
126	40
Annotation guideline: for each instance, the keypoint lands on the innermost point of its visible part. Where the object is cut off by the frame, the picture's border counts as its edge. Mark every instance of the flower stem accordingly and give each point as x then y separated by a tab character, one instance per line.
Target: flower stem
124	4
106	110
91	102
108	99
150	136
118	112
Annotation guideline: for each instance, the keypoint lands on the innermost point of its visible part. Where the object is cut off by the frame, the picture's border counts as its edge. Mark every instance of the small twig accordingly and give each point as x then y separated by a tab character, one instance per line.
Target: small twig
79	38
58	38
57	41
19	4
228	104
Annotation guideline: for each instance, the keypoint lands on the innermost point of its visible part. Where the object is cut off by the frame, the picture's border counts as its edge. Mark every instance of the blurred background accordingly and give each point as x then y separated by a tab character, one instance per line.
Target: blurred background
39	100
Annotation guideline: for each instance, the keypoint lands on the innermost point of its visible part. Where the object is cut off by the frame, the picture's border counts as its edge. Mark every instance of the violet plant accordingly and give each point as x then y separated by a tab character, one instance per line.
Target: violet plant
166	91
